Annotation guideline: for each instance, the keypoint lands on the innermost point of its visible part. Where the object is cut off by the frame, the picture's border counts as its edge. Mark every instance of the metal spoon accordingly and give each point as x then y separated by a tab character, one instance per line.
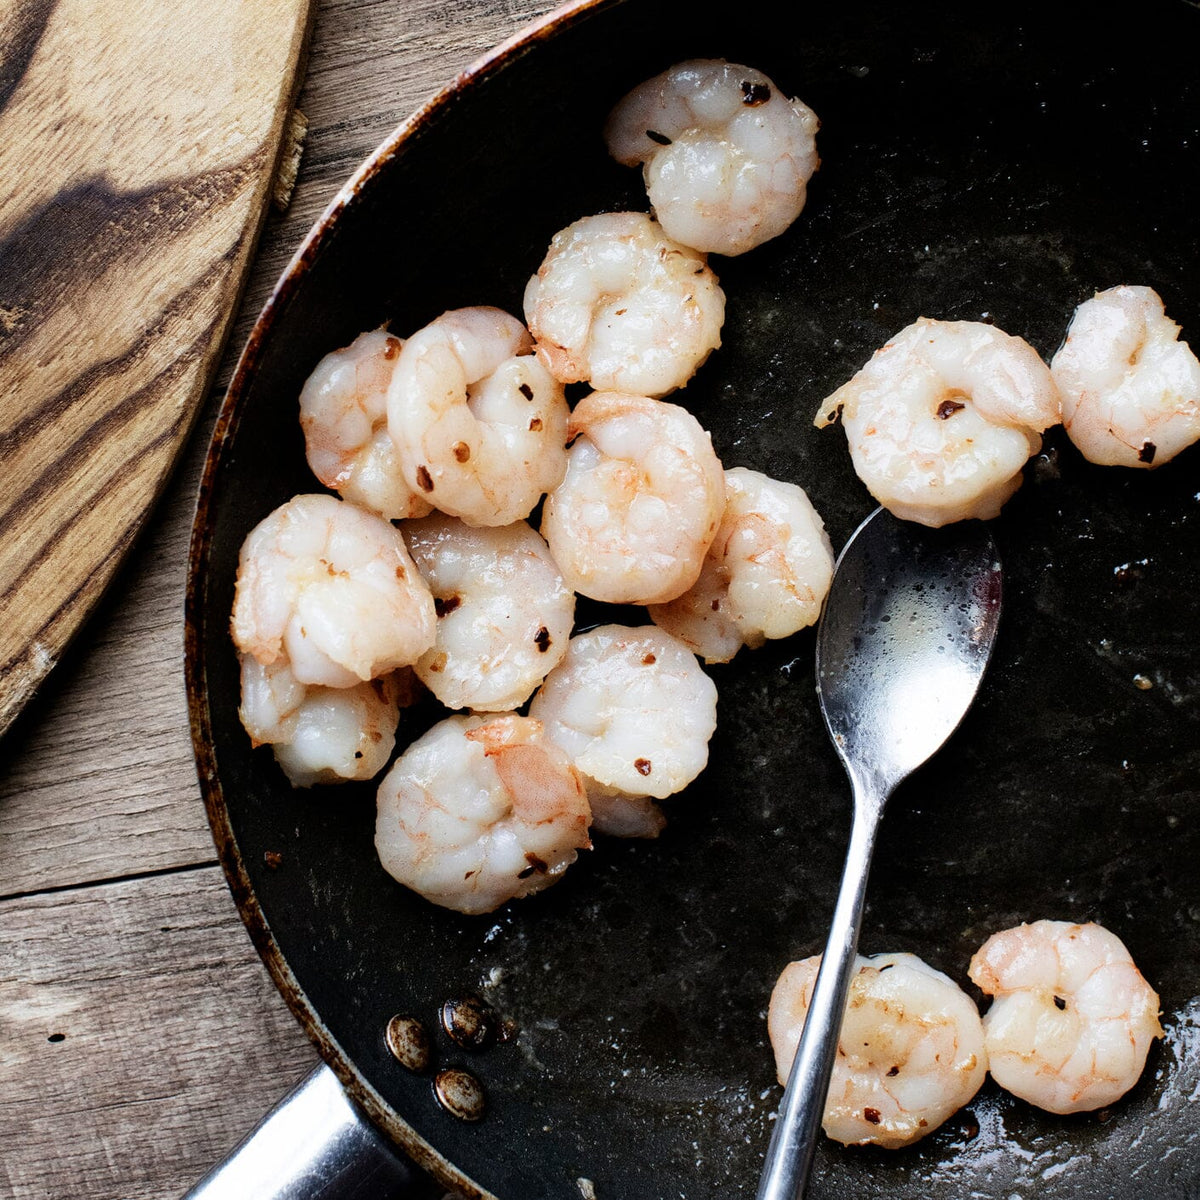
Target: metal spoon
905	637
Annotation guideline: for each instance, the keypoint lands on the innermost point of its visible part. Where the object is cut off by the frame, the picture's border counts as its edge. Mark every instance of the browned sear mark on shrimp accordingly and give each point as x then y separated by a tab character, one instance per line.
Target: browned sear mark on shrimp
754	94
535	864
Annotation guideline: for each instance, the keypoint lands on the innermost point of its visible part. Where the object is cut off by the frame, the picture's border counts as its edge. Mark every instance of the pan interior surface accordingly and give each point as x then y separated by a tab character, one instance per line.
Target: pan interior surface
977	163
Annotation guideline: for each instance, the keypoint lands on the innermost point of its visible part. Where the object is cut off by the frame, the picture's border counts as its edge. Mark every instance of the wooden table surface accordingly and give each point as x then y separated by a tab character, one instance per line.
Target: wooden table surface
140	1036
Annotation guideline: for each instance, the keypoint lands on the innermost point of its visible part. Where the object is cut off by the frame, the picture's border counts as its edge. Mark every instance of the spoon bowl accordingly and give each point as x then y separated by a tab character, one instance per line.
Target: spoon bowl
906	634
905	637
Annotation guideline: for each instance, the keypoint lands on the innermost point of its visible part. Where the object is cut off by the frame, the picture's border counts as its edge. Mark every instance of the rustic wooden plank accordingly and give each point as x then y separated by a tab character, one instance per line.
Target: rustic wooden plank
96	779
142	1038
138	142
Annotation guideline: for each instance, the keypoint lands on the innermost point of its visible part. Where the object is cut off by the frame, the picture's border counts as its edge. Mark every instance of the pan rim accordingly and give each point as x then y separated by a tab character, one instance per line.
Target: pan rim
394	146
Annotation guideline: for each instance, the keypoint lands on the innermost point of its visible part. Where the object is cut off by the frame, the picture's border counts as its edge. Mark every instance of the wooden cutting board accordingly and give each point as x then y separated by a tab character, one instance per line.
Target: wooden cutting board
139	143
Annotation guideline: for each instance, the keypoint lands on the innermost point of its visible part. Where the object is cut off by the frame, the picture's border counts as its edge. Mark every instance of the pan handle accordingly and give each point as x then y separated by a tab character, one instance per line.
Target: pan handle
316	1144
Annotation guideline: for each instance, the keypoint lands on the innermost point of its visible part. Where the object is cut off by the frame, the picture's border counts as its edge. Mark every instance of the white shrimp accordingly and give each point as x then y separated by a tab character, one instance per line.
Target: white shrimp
634	711
332	588
619	304
504	612
942	419
1073	1019
764	576
481	810
727	156
641	501
343	412
480	425
320	734
910	1053
1130	388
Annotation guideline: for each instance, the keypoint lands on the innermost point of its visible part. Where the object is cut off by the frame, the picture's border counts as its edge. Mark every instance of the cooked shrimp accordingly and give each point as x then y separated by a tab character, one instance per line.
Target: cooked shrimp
480	425
634	711
343	412
942	419
727	156
504	612
1073	1018
910	1053
619	814
332	588
319	734
764	576
1130	388
481	810
619	304
641	501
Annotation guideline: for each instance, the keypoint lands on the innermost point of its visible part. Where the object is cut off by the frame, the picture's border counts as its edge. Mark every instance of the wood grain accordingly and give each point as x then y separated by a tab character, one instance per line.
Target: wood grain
96	776
138	142
131	1013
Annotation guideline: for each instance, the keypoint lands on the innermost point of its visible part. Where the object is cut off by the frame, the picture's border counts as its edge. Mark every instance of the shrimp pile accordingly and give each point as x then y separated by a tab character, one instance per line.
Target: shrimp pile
481	810
641	501
1130	388
618	304
1072	1020
332	588
320	734
765	575
504	612
910	1054
479	424
942	419
634	711
458	430
343	412
726	155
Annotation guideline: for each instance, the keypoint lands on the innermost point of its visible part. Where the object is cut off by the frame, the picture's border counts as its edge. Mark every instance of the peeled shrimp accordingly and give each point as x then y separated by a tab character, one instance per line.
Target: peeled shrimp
1073	1018
640	503
332	588
727	156
481	810
1130	388
634	711
504	612
619	304
343	412
942	419
319	734
764	576
480	426
910	1053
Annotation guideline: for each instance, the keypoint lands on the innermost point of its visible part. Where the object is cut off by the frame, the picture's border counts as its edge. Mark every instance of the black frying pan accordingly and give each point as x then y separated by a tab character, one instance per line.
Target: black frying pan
979	162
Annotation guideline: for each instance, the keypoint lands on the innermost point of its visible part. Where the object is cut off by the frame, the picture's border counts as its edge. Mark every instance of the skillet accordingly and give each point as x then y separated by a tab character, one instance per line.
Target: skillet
977	164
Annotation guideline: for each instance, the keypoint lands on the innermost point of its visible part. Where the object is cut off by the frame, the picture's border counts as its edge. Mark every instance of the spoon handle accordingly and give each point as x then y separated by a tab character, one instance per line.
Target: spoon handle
790	1154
